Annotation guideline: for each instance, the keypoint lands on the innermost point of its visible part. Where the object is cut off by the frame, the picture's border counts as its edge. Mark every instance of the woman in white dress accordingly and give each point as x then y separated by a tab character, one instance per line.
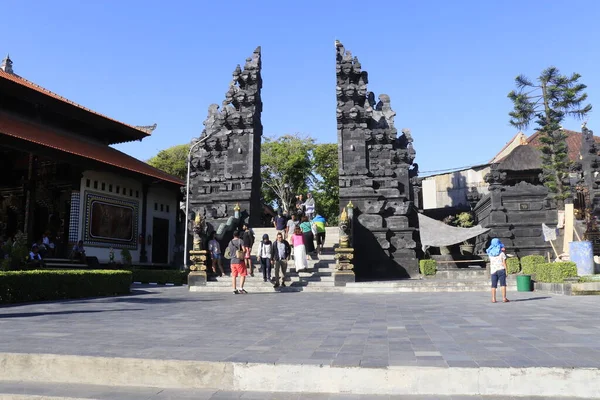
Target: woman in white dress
300	260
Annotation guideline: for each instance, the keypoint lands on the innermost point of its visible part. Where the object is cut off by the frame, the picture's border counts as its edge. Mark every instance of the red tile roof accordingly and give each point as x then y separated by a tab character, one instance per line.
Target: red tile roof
574	141
24	82
79	146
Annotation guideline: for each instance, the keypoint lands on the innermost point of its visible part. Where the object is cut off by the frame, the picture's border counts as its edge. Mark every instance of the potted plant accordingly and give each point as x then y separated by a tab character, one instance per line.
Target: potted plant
465	220
126	257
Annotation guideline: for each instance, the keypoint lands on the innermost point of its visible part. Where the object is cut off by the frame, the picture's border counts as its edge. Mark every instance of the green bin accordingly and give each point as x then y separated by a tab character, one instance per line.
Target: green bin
524	283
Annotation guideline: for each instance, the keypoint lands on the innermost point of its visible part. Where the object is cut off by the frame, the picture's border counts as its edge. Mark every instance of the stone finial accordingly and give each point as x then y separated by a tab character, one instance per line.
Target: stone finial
146	128
6	65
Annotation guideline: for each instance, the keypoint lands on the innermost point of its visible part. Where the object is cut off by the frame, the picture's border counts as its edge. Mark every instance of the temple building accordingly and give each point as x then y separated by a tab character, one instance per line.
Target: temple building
60	176
506	194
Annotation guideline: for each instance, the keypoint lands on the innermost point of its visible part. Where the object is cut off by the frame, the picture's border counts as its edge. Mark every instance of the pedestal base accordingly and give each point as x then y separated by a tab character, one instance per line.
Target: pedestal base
197	278
340	278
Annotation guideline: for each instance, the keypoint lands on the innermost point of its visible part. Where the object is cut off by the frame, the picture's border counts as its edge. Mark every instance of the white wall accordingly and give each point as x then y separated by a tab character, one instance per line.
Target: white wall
108	179
160	196
448	190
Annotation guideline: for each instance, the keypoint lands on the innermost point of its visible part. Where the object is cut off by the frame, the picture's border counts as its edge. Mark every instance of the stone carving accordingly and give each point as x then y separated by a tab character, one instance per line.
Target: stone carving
225	168
198	255
376	171
516	205
344	254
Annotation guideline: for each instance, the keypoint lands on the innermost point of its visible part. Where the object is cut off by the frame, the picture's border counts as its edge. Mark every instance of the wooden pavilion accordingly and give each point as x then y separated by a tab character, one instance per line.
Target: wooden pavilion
60	175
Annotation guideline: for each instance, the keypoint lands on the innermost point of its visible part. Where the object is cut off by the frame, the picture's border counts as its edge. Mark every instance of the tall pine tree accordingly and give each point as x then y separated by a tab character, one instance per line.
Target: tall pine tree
550	100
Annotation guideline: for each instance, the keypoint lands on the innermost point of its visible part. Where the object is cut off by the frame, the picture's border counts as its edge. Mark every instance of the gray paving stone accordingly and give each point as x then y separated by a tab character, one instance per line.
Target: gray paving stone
447	329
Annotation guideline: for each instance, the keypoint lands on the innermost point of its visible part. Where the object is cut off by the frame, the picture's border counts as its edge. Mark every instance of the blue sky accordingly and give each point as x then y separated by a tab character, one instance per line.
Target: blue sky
447	65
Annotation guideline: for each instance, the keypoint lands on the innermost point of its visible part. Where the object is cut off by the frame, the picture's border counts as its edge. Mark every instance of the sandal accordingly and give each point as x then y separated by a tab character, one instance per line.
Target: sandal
243	291
506	301
236	292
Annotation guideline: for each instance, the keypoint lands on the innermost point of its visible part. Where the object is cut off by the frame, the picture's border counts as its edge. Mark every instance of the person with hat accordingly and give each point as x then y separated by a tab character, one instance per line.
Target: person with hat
498	270
265	255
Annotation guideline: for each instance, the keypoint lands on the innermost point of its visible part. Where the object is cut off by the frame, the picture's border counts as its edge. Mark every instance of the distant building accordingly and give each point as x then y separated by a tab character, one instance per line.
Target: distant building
61	175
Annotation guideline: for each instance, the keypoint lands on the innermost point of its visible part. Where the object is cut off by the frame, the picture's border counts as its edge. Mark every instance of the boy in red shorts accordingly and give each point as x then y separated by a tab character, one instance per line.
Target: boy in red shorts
238	267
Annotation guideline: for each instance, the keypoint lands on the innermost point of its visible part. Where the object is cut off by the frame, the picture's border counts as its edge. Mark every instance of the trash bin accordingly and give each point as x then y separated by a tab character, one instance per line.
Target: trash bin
524	283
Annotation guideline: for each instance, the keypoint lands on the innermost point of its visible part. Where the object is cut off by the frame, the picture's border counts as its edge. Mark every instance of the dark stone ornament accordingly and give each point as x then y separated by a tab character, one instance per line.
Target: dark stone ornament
225	169
377	175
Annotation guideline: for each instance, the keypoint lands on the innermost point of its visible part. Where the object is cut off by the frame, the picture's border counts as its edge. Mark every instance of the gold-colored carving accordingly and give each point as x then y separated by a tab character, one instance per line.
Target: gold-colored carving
350	205
344	216
343	259
237	207
198	259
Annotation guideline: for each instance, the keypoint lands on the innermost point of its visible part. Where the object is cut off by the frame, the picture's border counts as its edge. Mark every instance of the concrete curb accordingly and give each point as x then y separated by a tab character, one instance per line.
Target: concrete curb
35	397
539	381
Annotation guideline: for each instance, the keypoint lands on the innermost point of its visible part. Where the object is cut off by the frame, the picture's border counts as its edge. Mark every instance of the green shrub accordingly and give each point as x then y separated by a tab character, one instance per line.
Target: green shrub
555	272
17	253
160	276
126	257
39	285
589	278
529	264
562	270
543	272
428	267
513	265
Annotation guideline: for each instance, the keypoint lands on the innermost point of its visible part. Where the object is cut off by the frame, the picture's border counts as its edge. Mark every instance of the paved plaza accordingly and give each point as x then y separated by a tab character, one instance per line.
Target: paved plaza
366	330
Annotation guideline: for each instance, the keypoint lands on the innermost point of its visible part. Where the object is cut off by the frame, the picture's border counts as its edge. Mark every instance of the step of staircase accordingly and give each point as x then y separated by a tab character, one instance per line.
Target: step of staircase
318	277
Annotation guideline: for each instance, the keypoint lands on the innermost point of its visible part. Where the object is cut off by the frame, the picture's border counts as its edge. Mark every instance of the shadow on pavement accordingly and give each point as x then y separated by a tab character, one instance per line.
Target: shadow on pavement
44	313
531	298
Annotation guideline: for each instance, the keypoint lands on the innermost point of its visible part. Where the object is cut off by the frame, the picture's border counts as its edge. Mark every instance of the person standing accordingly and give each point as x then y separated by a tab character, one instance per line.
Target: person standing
265	255
281	254
291	227
319	223
280	223
300	261
309	206
309	237
215	253
498	270
238	268
248	241
300	206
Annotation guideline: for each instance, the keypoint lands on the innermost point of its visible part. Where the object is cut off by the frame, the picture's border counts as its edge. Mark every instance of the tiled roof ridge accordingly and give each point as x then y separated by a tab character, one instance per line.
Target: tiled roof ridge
90	149
26	82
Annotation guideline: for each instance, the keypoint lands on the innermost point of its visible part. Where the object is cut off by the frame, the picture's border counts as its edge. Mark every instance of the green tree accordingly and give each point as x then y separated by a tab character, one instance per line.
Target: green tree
172	160
286	168
550	100
326	186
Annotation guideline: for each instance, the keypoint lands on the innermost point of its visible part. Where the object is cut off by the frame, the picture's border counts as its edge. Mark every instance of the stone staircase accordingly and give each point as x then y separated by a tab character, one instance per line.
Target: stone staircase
318	277
60	263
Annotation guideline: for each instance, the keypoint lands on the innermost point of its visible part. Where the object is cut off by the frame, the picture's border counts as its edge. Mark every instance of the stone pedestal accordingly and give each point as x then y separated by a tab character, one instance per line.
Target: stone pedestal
197	275
340	278
344	267
197	278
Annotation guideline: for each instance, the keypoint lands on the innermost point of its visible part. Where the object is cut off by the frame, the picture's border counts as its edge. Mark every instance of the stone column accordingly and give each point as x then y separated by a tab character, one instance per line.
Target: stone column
198	255
344	253
30	199
143	255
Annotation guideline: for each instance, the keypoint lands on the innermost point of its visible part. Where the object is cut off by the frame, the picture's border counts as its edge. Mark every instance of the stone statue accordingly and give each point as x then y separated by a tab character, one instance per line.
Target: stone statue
199	232
344	228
